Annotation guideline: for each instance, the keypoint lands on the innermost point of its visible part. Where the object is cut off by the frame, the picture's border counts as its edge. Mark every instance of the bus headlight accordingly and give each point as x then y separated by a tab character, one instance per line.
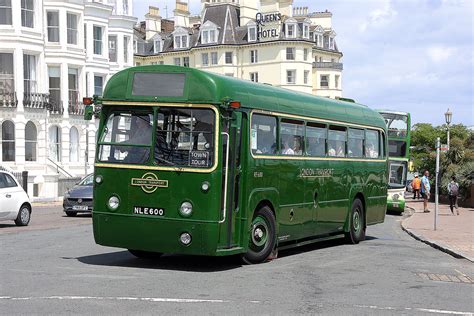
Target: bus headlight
98	179
185	238
114	202
186	209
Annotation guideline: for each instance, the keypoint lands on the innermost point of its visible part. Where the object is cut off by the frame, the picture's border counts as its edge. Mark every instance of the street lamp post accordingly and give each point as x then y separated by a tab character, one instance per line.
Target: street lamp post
448	116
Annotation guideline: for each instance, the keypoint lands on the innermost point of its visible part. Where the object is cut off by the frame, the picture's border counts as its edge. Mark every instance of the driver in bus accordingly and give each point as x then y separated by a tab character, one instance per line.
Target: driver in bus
140	129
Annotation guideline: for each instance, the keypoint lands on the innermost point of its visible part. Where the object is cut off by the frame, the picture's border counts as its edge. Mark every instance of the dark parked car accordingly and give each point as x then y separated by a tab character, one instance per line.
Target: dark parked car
79	198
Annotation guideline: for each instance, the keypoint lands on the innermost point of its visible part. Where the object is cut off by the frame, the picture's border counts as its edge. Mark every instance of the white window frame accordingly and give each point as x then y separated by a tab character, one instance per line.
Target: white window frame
231	58
71	31
252	31
306	30
253	56
186	62
292	25
291	76
177	61
305	54
306	77
29	73
7	8
126	44
98	47
290	53
214	58
52	28
337	78
321	81
112	48
254	76
205	61
28	11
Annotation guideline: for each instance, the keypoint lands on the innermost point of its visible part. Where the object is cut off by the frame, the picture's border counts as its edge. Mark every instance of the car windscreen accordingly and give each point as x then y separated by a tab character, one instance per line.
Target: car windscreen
89	180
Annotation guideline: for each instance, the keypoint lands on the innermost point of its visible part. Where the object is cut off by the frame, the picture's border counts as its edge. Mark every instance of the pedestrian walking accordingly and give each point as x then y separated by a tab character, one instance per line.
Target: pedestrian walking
453	192
425	190
415	184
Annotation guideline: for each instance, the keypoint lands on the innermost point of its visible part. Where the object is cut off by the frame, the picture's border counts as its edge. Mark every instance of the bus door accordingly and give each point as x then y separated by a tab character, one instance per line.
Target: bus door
332	213
296	219
231	161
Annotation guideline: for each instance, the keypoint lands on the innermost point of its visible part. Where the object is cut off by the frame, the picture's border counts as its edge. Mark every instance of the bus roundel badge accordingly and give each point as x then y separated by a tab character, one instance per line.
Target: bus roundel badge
149	182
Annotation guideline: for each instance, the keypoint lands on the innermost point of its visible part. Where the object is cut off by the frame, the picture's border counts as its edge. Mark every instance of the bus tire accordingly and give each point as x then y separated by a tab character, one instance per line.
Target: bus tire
356	223
145	254
262	236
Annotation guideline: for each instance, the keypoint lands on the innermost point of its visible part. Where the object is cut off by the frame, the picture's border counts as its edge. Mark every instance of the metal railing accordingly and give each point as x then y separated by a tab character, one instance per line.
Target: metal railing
328	65
55	107
75	106
8	100
35	100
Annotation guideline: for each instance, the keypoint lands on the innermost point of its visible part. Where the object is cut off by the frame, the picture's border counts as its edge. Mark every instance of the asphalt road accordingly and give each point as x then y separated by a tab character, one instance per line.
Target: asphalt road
58	269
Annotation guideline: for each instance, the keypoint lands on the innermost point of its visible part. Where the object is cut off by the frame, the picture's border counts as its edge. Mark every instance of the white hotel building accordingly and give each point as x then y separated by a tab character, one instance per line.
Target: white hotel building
267	41
53	53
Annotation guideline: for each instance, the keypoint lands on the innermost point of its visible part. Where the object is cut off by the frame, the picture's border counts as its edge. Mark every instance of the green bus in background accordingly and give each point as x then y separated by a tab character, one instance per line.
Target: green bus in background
191	162
398	126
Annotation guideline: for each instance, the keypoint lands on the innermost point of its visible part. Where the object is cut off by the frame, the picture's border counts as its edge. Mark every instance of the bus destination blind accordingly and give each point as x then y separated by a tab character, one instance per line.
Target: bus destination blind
158	84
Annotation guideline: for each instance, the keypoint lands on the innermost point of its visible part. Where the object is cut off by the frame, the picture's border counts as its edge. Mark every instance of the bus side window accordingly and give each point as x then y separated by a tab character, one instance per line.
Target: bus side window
292	137
337	141
316	139
355	143
372	144
263	134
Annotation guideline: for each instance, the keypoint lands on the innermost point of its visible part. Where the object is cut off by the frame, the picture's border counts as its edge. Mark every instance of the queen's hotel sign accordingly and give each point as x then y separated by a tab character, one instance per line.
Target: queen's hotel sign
268	25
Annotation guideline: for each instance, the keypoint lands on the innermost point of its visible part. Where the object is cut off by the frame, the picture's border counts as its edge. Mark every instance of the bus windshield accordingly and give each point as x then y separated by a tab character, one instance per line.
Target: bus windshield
397	174
182	137
397	124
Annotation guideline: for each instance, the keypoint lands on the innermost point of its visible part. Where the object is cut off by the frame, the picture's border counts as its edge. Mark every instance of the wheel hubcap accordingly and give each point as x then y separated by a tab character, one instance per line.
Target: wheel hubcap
259	232
356	221
25	215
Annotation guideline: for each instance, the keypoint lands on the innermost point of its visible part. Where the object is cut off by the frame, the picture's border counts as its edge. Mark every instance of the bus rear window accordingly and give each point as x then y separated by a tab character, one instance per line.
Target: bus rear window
158	84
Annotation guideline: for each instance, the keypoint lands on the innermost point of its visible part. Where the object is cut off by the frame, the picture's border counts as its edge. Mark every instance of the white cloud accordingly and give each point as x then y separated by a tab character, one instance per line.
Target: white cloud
440	53
380	16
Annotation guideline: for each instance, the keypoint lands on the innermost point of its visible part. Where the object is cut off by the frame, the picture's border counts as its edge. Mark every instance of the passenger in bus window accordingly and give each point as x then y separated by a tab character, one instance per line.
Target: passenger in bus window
337	150
140	129
370	151
287	150
297	147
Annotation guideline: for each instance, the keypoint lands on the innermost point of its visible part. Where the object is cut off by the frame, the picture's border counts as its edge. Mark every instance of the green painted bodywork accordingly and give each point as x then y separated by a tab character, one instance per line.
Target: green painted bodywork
299	214
398	204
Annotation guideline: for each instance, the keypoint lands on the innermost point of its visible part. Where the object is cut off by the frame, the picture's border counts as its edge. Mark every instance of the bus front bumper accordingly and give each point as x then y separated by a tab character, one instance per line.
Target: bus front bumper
157	234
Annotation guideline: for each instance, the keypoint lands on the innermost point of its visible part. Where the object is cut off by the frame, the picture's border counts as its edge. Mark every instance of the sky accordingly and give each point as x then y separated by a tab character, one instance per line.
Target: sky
406	55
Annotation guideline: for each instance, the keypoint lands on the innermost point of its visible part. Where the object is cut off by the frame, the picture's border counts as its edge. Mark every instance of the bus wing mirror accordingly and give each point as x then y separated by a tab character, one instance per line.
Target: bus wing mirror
88	112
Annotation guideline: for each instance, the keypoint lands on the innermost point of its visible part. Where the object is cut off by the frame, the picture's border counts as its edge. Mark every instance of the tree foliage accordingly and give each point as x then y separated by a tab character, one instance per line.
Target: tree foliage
458	161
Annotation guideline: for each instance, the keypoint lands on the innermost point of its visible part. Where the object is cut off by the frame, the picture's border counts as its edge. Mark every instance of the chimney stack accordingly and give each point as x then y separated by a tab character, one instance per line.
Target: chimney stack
152	22
181	14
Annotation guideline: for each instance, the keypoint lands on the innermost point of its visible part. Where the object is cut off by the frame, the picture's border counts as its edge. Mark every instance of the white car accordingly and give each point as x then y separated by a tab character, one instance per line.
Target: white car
14	202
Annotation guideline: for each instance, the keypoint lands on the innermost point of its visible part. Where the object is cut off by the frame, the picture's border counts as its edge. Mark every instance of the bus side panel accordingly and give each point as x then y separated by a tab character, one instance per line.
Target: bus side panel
316	187
333	212
377	189
295	219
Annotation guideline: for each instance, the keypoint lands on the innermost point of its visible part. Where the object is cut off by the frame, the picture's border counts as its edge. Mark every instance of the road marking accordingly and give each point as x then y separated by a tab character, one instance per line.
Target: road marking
120	298
427	310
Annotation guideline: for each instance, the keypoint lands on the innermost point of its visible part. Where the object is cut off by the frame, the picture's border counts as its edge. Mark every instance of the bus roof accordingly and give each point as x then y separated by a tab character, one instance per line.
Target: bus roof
205	87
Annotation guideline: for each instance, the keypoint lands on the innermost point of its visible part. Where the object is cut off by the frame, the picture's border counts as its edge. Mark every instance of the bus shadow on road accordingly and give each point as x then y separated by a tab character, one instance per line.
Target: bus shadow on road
165	262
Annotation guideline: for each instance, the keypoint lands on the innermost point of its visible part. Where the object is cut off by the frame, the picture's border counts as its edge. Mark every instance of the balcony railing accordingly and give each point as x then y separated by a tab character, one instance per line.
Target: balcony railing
55	107
328	65
8	100
35	100
75	107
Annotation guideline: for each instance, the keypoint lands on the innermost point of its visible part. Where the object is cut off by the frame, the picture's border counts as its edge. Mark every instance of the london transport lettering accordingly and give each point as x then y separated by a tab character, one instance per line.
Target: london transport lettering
316	173
262	19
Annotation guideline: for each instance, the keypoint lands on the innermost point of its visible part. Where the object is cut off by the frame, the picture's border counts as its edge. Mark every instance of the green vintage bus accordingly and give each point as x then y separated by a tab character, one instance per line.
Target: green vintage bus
398	129
191	162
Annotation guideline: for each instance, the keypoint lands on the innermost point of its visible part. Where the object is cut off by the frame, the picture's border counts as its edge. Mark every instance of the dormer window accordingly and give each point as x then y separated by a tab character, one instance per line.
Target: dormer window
181	41
291	30
252	31
306	24
180	38
318	36
209	33
157	46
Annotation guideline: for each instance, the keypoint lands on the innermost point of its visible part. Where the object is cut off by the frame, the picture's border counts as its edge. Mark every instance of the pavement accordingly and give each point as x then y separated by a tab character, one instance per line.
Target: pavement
454	234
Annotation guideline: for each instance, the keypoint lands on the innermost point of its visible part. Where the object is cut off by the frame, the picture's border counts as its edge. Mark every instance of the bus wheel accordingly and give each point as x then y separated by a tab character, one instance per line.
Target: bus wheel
145	254
262	236
356	223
